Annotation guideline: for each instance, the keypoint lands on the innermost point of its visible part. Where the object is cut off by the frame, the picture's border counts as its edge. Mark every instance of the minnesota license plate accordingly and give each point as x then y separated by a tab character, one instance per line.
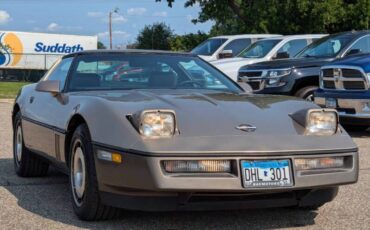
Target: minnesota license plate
266	174
331	103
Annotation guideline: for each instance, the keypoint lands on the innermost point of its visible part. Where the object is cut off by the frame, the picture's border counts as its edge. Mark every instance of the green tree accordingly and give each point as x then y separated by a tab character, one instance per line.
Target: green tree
188	41
101	45
156	36
282	16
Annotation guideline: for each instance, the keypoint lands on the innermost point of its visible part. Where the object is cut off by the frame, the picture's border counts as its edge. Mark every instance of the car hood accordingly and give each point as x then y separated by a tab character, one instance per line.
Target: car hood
291	63
358	60
207	122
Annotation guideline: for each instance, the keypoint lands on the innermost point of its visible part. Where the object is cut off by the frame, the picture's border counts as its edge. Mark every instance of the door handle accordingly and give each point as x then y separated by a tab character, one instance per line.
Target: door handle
32	98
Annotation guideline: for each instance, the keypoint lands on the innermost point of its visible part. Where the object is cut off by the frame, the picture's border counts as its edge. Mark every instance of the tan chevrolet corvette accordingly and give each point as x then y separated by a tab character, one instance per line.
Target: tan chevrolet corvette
150	130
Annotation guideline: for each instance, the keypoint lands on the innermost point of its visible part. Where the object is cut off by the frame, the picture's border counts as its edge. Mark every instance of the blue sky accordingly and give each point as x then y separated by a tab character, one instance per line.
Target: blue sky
90	17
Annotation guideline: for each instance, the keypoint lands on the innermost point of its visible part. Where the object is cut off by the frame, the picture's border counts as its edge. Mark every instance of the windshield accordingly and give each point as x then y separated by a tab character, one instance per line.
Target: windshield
209	46
259	49
328	46
146	71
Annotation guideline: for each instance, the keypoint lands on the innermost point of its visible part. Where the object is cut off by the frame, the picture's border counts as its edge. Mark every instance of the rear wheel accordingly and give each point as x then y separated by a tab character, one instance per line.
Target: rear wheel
307	92
83	181
26	163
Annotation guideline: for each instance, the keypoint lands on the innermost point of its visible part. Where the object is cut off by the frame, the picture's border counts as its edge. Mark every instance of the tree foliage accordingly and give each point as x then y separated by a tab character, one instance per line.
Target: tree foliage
188	41
156	36
282	16
101	45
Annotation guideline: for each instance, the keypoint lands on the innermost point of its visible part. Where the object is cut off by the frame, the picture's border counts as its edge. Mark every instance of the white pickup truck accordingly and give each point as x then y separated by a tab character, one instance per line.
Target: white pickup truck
266	50
227	46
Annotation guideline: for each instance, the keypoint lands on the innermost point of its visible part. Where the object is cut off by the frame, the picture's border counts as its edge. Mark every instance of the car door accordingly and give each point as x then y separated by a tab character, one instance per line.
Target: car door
40	116
361	46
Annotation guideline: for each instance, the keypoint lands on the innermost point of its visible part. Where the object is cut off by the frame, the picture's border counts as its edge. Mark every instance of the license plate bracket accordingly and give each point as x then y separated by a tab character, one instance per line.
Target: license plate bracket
266	173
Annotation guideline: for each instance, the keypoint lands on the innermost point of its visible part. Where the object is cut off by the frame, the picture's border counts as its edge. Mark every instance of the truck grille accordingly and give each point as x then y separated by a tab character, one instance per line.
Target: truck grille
343	78
250	74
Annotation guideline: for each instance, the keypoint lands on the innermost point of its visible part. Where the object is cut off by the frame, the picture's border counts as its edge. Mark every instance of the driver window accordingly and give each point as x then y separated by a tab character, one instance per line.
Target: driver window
361	46
293	47
60	72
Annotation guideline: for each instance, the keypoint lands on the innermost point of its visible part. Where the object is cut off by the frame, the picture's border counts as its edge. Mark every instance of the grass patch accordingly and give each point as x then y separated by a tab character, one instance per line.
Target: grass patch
9	90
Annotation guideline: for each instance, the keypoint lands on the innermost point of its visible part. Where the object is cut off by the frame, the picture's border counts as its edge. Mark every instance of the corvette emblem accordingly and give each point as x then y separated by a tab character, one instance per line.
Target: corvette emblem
246	128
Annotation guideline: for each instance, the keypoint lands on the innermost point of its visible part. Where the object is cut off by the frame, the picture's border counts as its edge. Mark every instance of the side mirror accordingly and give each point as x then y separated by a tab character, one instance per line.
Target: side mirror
282	55
225	54
353	51
50	86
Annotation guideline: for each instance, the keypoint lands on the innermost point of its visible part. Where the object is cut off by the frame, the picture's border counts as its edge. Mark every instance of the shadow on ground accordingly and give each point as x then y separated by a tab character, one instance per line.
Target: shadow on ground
49	198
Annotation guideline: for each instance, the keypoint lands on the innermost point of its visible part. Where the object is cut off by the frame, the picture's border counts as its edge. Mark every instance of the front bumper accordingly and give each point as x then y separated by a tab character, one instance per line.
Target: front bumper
351	107
143	176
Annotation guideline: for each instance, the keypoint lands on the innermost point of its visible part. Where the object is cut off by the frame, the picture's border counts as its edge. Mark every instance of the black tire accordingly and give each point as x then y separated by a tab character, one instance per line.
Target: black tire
88	205
27	163
306	92
355	128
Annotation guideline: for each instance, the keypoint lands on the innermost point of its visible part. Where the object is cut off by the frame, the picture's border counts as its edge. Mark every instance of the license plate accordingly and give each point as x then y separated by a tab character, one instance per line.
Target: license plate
331	103
266	174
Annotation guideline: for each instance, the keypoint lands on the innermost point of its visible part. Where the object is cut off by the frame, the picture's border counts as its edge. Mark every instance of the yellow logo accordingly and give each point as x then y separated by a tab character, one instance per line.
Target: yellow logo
11	49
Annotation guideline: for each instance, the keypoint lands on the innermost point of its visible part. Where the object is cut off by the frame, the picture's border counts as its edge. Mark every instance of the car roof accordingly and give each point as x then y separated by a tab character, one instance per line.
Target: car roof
302	36
246	36
128	51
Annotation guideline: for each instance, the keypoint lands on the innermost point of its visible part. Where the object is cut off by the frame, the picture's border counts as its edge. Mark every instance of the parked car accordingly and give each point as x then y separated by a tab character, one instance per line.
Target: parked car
265	50
299	76
186	138
226	46
345	86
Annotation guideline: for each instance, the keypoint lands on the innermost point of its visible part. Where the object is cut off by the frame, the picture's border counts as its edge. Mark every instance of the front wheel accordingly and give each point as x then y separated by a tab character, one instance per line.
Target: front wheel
26	163
83	181
307	92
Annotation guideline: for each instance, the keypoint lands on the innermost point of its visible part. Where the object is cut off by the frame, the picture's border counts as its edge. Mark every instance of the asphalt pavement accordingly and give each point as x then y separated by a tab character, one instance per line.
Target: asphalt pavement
44	203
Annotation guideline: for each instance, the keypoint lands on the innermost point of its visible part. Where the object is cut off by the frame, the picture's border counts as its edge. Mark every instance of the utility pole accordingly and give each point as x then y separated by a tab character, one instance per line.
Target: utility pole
110	26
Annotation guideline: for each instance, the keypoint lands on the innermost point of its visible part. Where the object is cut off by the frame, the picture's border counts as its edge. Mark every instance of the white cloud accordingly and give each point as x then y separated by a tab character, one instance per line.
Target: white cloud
116	18
136	11
95	14
115	33
53	27
30	21
160	14
4	17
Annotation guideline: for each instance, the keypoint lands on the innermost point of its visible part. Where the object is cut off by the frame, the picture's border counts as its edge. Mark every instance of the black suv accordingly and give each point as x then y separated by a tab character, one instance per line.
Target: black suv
299	76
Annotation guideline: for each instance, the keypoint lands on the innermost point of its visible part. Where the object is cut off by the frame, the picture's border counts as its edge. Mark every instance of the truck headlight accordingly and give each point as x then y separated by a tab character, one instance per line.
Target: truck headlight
157	124
278	73
321	122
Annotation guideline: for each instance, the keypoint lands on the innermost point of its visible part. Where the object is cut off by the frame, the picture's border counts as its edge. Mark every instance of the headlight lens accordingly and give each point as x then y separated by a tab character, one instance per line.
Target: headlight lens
322	123
157	124
197	166
278	73
319	163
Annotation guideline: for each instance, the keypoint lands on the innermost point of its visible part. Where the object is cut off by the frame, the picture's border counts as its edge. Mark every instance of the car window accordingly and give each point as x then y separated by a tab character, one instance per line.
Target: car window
259	49
293	47
60	71
209	46
328	46
362	45
146	71
238	45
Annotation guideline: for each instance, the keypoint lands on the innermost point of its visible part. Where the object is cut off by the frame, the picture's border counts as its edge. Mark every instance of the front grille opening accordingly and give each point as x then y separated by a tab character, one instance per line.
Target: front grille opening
251	74
254	84
328	73
351	73
329	84
356	85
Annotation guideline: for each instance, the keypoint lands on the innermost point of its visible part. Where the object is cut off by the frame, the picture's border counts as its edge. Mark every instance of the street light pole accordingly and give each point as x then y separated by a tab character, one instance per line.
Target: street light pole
110	26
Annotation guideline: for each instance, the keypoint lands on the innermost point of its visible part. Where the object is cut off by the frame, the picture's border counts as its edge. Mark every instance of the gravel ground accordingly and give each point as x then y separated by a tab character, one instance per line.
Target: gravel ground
44	203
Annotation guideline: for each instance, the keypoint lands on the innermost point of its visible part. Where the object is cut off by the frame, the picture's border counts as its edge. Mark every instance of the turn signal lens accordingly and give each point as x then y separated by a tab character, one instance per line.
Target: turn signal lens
319	163
109	156
195	166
